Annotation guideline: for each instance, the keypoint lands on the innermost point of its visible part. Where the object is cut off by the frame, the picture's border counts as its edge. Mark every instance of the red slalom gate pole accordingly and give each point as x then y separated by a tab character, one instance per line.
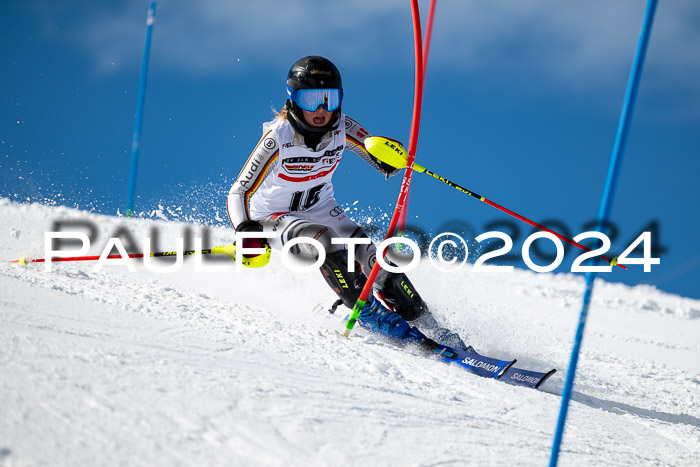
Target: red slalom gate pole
426	50
406	183
428	34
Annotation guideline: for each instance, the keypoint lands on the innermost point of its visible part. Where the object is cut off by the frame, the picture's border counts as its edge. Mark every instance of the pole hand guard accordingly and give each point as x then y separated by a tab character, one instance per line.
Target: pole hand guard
390	152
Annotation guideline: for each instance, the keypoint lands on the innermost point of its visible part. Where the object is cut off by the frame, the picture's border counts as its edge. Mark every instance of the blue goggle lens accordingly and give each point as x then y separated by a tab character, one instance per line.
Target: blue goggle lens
311	99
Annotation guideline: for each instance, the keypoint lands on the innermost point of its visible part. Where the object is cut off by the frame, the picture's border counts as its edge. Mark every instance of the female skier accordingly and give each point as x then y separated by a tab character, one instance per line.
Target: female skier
285	189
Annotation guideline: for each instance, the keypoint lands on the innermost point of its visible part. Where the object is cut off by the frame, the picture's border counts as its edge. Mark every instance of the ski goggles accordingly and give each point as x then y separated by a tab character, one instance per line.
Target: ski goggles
311	99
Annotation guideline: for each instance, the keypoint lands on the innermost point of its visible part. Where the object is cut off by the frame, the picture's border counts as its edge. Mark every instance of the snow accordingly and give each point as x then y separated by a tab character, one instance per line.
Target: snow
232	368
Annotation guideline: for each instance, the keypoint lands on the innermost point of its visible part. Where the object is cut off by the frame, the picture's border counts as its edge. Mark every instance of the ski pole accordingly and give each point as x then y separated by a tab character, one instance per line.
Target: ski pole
393	154
229	250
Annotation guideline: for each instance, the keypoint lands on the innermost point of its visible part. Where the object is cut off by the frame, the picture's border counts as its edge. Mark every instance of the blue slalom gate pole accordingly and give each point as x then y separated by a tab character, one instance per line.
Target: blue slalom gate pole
604	213
139	112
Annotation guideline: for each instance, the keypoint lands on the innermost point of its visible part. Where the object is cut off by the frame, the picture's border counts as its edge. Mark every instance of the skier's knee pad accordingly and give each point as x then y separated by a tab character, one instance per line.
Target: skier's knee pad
319	232
402	296
348	285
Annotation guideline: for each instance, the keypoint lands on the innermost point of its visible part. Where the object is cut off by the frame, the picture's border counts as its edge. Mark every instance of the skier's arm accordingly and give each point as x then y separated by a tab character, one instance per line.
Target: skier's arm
256	168
355	136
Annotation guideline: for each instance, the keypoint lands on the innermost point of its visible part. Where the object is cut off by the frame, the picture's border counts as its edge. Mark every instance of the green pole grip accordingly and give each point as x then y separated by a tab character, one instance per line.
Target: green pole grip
354	316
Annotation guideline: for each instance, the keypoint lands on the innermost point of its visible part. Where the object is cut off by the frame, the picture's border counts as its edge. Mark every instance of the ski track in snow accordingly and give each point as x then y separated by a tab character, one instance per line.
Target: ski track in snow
232	368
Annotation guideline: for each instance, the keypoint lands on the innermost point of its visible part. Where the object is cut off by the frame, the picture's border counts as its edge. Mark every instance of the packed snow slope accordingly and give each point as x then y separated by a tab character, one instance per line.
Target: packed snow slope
113	367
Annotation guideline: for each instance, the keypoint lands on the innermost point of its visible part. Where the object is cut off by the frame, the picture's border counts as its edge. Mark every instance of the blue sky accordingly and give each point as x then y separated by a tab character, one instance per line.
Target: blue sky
521	106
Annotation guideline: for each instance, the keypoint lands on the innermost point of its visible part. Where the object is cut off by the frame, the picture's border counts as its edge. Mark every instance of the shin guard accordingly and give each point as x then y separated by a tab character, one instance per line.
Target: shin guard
348	285
399	293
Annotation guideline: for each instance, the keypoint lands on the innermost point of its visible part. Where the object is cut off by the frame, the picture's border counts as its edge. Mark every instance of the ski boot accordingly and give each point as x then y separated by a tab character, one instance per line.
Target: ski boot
400	296
375	317
440	334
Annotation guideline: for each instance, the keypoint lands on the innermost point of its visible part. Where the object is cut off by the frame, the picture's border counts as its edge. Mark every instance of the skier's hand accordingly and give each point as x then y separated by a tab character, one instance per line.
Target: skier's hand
254	260
390	170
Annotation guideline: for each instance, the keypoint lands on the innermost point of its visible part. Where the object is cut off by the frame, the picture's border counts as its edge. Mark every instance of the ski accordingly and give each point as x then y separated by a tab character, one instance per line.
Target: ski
502	370
520	376
473	362
527	378
470	360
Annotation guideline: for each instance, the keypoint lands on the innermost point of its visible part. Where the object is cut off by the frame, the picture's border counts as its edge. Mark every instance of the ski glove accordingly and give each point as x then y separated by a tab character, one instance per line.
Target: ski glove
255	260
388	169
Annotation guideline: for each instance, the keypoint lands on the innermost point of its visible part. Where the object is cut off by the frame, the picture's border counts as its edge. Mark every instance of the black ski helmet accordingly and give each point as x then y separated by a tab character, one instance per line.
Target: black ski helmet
312	72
